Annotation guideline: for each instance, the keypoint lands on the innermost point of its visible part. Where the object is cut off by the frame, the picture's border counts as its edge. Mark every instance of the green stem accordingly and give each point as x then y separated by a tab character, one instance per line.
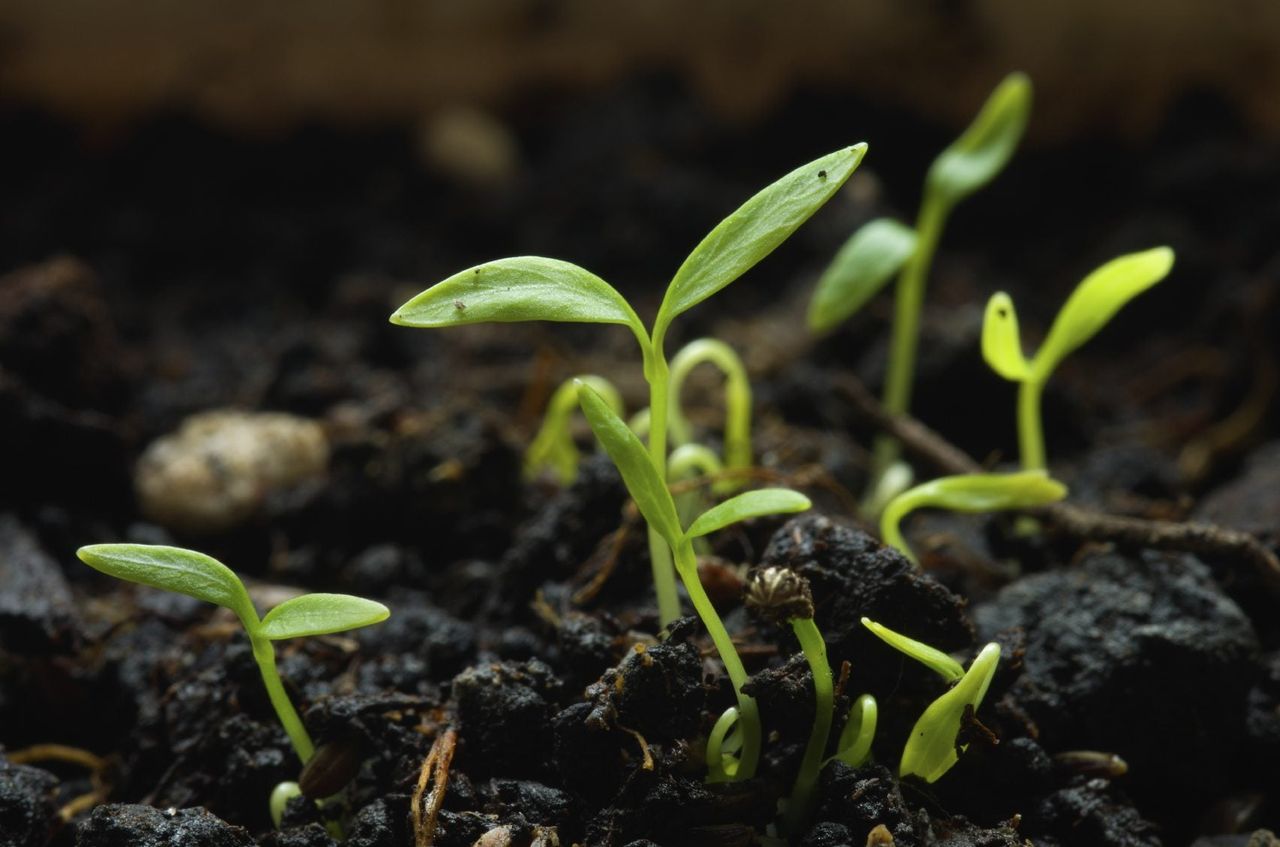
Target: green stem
908	303
664	577
891	522
737	397
1030	432
265	655
748	713
800	805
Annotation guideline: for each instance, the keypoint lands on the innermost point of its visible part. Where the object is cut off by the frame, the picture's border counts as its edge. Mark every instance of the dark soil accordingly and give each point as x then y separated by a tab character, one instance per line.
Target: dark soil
168	269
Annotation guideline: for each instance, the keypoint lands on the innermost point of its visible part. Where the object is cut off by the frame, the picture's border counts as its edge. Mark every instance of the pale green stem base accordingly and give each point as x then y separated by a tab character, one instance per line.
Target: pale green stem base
664	577
264	653
748	712
800	804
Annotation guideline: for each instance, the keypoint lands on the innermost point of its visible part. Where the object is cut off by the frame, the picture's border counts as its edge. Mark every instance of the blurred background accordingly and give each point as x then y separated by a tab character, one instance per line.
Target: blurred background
217	204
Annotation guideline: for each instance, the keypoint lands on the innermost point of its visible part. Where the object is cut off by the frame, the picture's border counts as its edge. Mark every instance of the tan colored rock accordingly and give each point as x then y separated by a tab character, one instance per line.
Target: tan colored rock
216	471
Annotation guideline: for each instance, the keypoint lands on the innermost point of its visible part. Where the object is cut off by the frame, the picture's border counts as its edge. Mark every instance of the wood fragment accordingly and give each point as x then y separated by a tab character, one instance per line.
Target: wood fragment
425	806
1204	539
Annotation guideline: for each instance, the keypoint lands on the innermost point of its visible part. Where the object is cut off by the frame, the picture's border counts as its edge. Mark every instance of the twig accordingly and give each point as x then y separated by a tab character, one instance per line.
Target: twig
1064	518
435	772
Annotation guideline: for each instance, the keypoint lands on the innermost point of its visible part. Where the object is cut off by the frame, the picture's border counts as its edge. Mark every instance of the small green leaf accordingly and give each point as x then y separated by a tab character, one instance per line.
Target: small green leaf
930	751
1096	300
173	569
986	146
522	288
859	731
864	265
320	614
749	504
1001	342
931	657
989	492
632	460
754	231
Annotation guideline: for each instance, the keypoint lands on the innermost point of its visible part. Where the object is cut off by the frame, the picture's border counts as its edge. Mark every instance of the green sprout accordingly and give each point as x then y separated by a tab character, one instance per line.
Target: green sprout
885	247
640	473
934	744
553	448
204	578
974	493
737	394
783	596
1094	302
533	288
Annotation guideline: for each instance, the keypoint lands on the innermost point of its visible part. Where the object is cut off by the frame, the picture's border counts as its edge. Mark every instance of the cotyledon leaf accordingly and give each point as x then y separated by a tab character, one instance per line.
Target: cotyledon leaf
521	288
646	487
753	231
1096	300
320	614
173	569
930	750
1001	341
864	265
749	504
986	146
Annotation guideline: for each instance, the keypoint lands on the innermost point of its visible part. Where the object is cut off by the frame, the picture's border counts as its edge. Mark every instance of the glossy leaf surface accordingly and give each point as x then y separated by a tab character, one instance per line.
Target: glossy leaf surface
931	657
320	614
864	265
755	230
173	569
522	288
1096	300
749	504
633	462
930	750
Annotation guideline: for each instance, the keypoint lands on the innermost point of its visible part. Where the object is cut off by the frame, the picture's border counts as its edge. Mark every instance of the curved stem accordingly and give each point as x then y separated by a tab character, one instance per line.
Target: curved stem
264	653
737	388
1030	431
748	713
891	523
800	805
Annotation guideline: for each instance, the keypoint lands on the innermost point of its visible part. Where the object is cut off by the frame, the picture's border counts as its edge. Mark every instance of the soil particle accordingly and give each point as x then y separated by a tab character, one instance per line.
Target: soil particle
310	835
565	531
27	810
586	647
1087	814
217	470
860	799
382	823
36	612
420	632
852	575
1114	625
505	712
587	753
539	804
681	810
657	690
125	825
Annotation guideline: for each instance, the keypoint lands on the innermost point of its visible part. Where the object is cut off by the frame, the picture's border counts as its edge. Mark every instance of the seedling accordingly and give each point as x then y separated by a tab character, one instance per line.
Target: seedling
885	247
204	578
935	741
553	448
640	473
532	288
1094	302
737	400
973	493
